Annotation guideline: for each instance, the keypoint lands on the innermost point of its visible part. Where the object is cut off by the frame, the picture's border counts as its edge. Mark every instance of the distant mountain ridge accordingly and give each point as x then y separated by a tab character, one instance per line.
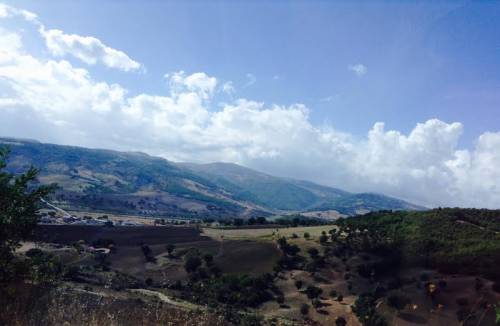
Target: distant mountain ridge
136	183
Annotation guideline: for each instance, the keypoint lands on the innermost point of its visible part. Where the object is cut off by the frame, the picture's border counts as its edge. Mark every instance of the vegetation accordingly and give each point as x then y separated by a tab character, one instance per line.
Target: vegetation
465	240
20	199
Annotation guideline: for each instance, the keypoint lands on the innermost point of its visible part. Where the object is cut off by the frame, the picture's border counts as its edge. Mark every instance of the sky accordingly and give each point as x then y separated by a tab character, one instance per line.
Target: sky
400	98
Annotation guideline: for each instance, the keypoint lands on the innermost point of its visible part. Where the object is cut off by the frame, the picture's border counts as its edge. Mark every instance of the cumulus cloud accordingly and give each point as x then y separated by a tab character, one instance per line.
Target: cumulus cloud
199	83
86	48
359	69
55	101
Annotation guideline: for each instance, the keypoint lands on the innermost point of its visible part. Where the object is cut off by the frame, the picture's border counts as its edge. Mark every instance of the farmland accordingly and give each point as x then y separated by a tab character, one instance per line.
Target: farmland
286	275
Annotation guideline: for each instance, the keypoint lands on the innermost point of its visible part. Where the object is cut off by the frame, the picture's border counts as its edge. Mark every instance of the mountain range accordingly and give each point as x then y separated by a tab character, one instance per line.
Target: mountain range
140	184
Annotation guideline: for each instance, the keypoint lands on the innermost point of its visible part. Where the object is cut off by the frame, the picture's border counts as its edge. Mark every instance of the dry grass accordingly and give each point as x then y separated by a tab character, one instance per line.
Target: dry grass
266	233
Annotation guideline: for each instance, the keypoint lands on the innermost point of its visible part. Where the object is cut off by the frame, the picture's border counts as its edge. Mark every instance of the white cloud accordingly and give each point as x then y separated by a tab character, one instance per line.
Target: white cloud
54	101
7	11
251	79
86	48
228	87
359	69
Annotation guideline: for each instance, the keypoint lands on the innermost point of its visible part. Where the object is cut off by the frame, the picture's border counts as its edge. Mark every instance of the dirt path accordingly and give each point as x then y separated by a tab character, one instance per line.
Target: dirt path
166	299
477	226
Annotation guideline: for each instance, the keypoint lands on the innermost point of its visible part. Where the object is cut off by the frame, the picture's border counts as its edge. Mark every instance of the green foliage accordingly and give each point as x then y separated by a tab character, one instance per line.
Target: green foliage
365	309
251	320
235	291
452	240
45	268
20	199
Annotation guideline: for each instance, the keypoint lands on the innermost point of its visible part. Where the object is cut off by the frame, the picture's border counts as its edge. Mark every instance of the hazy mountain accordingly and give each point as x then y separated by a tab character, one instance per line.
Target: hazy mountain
136	183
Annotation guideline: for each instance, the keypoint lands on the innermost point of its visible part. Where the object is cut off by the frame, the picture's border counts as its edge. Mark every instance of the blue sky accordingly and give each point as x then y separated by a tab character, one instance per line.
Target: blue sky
381	96
424	59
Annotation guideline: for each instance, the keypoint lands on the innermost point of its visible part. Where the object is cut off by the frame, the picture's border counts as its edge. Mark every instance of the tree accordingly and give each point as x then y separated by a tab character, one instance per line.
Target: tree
398	301
208	258
323	239
170	249
304	309
261	220
306	235
313	291
313	252
298	284
20	200
192	263
340	321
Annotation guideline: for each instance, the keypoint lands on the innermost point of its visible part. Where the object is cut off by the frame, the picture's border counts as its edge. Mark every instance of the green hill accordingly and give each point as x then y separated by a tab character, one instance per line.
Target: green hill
136	183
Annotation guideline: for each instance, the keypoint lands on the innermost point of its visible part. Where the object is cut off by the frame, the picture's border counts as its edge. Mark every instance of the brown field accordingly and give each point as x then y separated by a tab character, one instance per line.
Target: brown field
231	256
121	235
265	233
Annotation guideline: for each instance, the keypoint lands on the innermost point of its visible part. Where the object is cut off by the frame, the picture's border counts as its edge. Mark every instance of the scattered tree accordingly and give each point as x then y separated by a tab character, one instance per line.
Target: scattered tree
304	309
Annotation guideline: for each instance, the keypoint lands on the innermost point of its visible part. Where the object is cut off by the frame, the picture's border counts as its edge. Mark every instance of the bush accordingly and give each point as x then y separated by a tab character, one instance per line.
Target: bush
170	248
251	320
340	321
298	284
313	291
208	259
306	235
398	301
304	309
333	293
313	252
192	263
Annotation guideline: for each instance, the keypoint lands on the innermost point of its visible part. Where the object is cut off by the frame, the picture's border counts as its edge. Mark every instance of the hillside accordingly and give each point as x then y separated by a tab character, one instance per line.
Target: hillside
289	194
136	183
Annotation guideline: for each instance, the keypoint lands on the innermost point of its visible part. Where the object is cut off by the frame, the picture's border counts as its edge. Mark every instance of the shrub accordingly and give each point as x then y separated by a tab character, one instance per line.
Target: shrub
306	235
313	291
192	263
340	321
251	320
170	248
398	301
304	309
298	284
313	252
208	259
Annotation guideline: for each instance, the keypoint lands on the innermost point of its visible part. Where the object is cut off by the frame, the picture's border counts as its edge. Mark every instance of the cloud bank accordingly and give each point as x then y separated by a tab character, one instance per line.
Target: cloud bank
52	100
